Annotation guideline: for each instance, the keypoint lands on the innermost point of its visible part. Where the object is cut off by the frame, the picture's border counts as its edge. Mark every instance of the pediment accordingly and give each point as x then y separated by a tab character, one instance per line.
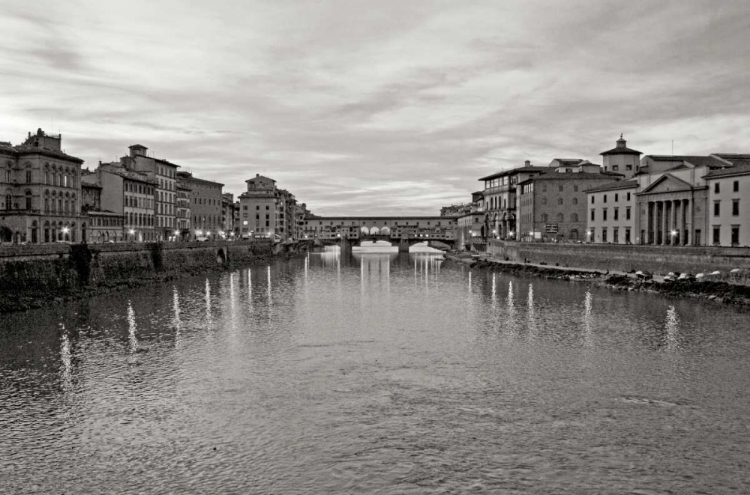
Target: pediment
667	183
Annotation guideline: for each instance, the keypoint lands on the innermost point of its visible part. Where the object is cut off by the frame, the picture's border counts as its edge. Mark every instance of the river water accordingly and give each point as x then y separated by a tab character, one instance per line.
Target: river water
375	374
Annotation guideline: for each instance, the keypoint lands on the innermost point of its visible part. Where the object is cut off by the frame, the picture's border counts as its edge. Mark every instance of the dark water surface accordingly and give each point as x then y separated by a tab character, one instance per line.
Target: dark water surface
376	374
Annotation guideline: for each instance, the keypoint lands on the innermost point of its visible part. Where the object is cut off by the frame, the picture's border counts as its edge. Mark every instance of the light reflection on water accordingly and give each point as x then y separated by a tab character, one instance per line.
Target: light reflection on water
374	373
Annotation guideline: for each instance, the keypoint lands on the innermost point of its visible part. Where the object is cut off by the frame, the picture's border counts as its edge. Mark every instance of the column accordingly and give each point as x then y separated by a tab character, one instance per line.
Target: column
651	223
678	221
662	222
687	223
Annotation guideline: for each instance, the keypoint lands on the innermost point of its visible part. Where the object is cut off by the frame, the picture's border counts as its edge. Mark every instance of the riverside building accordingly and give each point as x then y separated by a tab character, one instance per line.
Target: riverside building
205	205
552	206
39	191
501	198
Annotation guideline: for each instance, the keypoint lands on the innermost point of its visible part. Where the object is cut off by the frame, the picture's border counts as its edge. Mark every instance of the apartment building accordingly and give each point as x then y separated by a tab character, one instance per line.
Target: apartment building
40	193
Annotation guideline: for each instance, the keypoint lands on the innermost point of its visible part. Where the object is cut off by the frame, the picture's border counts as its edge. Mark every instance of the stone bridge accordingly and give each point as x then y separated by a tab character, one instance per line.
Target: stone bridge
403	244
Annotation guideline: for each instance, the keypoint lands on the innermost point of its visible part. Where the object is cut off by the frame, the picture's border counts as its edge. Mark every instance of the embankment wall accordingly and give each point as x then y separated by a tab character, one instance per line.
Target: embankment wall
655	259
32	274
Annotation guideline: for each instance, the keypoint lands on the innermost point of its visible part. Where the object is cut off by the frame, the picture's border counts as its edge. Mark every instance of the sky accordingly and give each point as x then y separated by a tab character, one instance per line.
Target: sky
375	108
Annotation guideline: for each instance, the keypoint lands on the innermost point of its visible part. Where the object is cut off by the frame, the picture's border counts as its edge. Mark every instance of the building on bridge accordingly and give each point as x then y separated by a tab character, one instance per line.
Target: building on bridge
388	228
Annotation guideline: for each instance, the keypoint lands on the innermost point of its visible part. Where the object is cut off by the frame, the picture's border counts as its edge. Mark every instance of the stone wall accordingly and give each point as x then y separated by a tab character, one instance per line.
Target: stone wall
33	273
656	259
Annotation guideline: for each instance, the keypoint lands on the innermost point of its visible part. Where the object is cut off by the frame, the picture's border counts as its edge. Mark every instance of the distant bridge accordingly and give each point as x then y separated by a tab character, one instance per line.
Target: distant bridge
403	232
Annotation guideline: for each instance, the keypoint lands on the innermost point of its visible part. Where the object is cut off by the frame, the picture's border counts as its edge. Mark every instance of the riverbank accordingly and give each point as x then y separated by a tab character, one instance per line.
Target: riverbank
33	276
720	291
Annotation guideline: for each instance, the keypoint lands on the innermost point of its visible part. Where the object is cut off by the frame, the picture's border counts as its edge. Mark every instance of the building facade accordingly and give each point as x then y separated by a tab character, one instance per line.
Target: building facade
612	213
40	194
552	206
205	205
131	194
183	215
163	174
500	198
259	210
729	202
621	159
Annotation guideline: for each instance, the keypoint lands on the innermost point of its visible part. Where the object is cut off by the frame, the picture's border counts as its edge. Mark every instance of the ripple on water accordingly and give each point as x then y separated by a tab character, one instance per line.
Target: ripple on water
374	375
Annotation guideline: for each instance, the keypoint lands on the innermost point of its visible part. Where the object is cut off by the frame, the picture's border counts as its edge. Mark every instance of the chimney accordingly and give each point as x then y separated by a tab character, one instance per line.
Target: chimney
527	163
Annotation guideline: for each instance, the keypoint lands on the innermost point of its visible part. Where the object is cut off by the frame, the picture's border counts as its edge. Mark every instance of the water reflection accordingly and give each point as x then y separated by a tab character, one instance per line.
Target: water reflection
65	361
132	339
672	328
176	322
384	374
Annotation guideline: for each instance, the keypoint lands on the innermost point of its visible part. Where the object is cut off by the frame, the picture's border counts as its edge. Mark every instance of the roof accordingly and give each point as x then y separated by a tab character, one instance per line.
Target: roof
29	150
697	160
621	150
742	169
575	176
568	161
670	177
532	168
260	177
137	146
613	186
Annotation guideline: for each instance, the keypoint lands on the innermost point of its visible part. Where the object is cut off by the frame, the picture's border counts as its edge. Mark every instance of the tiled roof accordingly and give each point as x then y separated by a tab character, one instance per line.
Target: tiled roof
698	161
575	176
621	150
532	168
568	161
29	150
623	184
742	169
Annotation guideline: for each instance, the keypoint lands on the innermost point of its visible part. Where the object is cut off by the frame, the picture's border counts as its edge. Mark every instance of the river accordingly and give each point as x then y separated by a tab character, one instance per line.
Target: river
377	373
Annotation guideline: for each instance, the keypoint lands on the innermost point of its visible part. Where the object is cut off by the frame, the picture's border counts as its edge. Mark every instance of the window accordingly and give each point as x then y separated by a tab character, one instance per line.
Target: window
716	188
559	201
616	236
627	236
617	197
28	176
605	198
616	214
544	201
735	235
593	216
615	168
736	186
627	214
717	234
604	215
735	207
628	197
716	207
561	188
544	217
575	188
574	217
560	217
604	235
575	201
628	167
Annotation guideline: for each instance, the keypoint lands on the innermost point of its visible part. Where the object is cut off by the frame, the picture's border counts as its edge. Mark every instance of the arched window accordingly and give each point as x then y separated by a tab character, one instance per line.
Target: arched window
8	175
28	175
8	201
544	217
575	201
46	205
560	217
28	200
574	217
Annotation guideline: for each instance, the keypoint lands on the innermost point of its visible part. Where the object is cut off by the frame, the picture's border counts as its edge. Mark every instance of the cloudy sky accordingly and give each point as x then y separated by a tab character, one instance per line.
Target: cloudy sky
386	107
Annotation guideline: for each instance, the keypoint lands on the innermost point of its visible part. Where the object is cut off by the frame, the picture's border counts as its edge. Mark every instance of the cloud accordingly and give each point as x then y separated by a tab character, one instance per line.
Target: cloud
375	110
